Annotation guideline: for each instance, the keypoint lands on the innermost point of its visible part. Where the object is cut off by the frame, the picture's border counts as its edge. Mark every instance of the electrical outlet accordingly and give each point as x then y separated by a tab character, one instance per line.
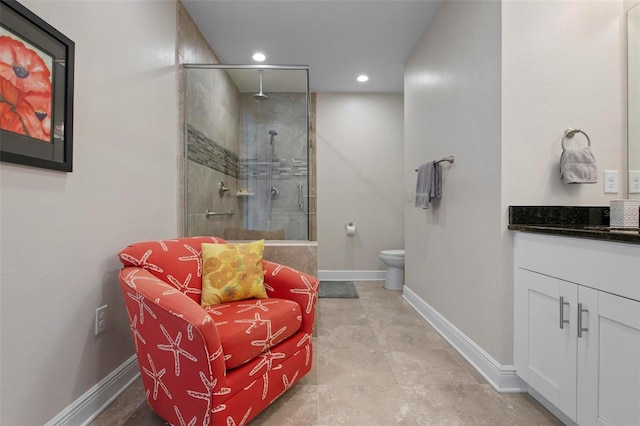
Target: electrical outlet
101	319
409	196
611	181
634	181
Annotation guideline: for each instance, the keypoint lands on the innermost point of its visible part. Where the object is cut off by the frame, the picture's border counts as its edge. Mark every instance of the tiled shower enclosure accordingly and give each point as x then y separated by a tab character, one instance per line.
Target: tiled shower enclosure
247	157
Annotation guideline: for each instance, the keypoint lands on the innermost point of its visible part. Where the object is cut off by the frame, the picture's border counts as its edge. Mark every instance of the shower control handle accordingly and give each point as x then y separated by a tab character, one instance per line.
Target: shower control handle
222	188
275	192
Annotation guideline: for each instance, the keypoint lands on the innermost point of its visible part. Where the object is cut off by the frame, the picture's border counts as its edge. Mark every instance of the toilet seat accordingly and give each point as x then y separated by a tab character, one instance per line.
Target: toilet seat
392	253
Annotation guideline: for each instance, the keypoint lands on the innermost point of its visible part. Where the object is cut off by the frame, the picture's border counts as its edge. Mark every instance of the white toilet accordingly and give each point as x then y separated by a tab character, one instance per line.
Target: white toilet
394	259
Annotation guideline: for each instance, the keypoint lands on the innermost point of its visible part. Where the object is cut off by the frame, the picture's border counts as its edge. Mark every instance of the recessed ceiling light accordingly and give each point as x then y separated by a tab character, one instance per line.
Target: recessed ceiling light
259	57
362	78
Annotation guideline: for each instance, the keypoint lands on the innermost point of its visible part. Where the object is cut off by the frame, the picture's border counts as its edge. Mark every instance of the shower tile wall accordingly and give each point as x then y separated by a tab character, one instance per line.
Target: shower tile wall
303	257
213	111
191	48
286	114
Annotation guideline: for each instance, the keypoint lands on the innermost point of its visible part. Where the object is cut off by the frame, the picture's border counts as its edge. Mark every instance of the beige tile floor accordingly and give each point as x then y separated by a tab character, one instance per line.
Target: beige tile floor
376	362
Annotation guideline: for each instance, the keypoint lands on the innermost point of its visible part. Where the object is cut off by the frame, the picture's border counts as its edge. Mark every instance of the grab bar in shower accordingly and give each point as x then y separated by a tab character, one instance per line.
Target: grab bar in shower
209	213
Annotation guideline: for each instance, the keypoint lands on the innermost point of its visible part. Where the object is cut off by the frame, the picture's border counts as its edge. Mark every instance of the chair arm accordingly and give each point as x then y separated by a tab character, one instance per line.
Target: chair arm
148	291
287	283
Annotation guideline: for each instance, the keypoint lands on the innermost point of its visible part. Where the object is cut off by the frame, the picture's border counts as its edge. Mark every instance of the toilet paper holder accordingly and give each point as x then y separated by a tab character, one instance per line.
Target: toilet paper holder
350	228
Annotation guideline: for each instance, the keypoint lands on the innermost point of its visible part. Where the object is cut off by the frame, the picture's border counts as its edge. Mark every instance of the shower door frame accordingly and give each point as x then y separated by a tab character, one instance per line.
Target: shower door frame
186	67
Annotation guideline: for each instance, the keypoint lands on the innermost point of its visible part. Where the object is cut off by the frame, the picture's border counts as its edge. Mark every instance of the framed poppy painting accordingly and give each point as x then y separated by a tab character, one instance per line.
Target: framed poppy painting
36	90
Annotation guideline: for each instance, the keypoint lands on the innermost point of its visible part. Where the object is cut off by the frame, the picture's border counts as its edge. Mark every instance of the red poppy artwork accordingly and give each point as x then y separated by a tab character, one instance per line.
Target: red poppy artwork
25	88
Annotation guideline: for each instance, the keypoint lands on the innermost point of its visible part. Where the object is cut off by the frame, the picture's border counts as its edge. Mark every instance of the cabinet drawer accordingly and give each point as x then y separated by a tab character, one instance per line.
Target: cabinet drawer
602	265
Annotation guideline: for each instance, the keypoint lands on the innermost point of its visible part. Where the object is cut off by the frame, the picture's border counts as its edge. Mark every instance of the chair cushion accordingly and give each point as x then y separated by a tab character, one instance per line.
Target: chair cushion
232	272
250	327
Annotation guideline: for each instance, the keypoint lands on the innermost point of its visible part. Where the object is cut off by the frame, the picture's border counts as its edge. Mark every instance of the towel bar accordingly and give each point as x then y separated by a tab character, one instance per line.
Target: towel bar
448	159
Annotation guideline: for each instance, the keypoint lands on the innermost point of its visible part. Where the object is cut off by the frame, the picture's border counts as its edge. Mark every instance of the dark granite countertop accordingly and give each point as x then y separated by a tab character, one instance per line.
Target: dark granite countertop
580	222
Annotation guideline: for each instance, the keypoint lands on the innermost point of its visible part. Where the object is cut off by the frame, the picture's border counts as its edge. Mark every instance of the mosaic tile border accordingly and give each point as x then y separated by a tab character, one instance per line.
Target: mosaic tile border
208	153
281	169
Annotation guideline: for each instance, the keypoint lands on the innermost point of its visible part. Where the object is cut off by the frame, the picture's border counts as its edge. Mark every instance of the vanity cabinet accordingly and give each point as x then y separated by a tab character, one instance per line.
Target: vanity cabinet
577	326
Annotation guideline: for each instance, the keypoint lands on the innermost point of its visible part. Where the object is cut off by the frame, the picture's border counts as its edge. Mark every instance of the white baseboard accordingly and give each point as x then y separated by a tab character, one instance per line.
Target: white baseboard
502	377
86	408
338	275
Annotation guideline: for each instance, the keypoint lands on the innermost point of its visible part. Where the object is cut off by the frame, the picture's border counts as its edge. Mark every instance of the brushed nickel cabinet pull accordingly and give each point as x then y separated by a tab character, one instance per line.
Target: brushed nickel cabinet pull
580	328
562	320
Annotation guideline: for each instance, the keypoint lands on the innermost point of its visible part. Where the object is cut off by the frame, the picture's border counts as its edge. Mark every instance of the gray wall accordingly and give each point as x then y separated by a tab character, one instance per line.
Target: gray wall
495	84
61	231
454	258
561	72
359	151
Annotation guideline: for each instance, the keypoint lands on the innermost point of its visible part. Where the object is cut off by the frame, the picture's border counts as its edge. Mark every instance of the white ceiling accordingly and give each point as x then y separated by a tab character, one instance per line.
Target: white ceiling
338	40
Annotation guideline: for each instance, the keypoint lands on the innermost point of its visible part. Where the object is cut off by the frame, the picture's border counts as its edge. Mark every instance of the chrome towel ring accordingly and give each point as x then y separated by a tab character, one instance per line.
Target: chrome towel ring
569	133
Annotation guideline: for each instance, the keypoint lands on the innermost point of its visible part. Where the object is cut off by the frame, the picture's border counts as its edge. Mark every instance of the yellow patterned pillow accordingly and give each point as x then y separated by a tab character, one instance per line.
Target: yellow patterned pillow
232	272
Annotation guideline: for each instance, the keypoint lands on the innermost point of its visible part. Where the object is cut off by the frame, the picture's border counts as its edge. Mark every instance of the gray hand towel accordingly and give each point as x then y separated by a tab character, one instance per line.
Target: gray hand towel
429	184
578	166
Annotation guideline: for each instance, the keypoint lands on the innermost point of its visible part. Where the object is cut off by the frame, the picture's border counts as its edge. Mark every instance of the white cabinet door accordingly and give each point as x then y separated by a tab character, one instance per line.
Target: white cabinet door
609	360
545	352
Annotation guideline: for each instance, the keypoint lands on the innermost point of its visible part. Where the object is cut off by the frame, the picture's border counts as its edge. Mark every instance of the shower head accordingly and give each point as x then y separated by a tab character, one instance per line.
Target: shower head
260	96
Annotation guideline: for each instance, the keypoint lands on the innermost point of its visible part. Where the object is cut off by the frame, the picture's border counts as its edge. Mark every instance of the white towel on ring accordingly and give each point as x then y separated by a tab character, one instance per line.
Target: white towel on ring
578	166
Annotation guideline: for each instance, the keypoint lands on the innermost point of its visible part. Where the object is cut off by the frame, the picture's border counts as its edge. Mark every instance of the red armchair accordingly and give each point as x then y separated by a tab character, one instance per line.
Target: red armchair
218	365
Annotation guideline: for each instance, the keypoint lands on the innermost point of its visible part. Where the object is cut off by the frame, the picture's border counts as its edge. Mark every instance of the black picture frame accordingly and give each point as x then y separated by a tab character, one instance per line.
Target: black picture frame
27	101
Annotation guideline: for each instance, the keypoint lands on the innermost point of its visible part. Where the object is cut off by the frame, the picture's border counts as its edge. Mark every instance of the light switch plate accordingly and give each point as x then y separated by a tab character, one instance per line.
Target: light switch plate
611	181
634	181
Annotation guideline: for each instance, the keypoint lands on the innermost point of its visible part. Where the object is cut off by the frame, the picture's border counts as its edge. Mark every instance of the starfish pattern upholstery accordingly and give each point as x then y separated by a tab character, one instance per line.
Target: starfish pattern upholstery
219	365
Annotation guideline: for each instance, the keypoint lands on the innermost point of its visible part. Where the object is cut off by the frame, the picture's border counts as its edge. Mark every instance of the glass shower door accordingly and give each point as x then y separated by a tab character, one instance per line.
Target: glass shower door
247	155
